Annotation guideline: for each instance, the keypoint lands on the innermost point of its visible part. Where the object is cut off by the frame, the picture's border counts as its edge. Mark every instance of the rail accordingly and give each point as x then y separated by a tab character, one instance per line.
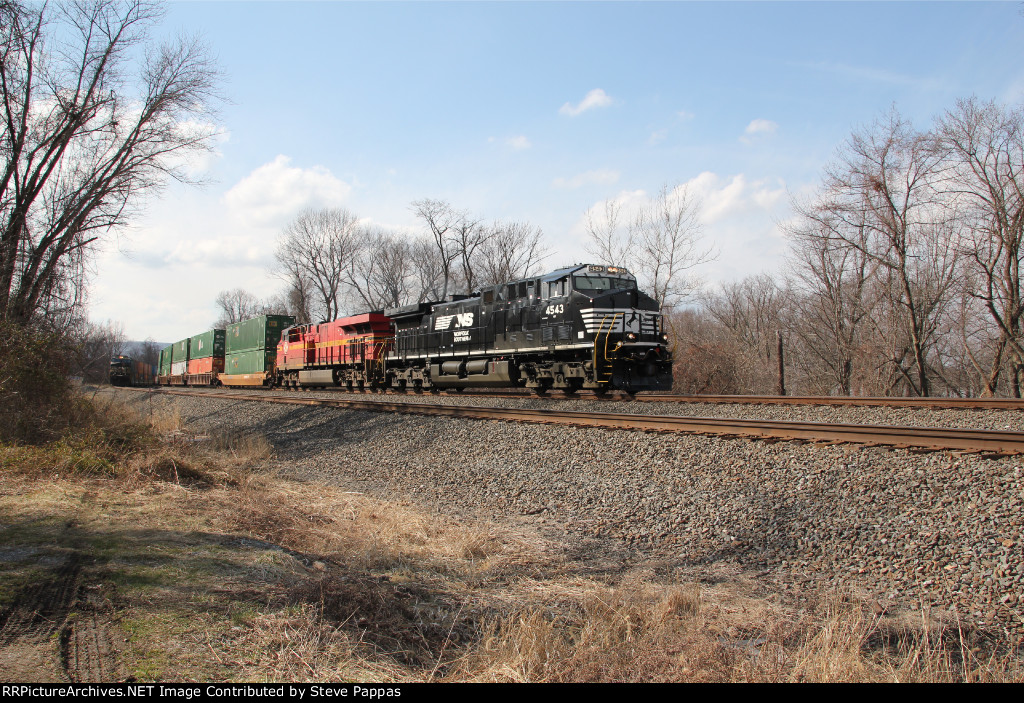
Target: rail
993	442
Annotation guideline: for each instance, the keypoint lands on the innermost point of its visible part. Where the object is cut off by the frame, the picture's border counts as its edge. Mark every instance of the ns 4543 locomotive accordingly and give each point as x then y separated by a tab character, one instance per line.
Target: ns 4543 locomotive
584	327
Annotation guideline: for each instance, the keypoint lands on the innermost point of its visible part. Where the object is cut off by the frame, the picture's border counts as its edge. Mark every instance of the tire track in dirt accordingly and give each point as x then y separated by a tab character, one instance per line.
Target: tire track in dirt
38	611
56	604
85	651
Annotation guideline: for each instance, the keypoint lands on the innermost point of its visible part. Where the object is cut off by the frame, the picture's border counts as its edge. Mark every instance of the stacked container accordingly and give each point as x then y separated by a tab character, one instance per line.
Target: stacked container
165	362
206	357
179	360
251	349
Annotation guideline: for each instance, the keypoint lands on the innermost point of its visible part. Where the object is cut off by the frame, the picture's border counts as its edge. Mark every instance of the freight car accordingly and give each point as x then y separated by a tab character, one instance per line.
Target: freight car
581	327
193	361
251	349
125	371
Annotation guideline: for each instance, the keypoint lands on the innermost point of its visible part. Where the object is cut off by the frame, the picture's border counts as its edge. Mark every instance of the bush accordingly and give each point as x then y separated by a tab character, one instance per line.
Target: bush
35	393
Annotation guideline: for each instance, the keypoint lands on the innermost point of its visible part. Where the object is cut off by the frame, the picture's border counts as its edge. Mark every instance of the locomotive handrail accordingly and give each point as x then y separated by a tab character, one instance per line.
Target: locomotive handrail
598	366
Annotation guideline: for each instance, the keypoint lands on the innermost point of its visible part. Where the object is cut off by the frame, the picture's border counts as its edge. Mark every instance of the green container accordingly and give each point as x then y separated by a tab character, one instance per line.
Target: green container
261	332
165	360
179	351
251	361
207	344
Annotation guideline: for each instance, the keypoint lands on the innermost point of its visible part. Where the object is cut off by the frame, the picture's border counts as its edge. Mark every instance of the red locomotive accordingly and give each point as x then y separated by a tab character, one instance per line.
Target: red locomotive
348	352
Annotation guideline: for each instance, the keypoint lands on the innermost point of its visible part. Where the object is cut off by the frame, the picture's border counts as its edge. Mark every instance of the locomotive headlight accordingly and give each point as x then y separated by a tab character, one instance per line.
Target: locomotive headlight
631	337
664	338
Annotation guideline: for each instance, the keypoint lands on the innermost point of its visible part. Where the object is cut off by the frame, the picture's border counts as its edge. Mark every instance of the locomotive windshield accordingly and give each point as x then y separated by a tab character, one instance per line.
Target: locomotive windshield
602	283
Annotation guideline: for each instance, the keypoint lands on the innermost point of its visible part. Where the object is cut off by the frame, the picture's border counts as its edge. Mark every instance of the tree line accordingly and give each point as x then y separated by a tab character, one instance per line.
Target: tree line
903	272
333	263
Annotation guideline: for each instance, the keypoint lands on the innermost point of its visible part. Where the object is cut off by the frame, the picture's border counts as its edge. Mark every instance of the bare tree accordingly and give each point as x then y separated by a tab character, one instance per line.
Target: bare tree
884	180
832	278
468	236
96	343
427	270
668	245
236	305
315	253
382	275
752	312
611	241
80	142
298	291
511	250
148	351
441	220
983	144
660	243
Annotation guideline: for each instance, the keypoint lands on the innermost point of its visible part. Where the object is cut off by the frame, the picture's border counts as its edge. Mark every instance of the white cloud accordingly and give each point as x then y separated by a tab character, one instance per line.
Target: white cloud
595	98
760	126
758	129
738	196
518	143
657	137
276	191
602	176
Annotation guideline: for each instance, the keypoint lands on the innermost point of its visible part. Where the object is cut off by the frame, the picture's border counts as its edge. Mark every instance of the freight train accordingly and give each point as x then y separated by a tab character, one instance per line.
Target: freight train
583	327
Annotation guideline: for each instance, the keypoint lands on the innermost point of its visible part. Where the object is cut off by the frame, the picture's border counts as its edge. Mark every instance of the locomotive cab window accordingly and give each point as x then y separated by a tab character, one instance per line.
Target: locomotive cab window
601	283
488	297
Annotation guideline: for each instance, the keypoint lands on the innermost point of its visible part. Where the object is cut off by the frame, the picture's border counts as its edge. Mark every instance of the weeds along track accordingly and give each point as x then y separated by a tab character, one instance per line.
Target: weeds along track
994	443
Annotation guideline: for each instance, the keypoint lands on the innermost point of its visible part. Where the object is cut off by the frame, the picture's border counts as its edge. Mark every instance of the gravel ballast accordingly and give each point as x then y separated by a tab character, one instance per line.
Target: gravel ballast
934	530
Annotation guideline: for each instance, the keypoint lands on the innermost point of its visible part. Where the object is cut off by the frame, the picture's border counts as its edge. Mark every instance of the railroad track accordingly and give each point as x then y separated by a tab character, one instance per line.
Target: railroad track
956	403
994	443
825	400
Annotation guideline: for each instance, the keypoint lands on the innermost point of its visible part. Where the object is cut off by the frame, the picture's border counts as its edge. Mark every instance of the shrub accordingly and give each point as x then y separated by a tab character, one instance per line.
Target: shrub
35	393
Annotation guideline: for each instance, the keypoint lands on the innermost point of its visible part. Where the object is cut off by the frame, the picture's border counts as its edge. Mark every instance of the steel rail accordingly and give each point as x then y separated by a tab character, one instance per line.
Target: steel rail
649	397
1000	442
932	402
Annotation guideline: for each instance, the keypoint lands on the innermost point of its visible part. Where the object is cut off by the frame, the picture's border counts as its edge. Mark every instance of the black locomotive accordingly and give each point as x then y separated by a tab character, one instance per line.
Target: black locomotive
581	327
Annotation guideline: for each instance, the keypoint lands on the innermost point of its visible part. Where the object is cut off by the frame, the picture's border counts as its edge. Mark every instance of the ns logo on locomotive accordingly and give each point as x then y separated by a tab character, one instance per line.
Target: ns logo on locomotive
584	327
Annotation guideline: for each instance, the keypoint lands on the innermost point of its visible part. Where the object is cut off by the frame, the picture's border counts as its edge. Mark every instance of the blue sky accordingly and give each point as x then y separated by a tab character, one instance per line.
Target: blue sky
533	111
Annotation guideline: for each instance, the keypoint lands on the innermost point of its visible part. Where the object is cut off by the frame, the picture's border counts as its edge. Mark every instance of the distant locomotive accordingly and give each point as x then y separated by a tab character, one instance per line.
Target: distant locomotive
125	371
584	327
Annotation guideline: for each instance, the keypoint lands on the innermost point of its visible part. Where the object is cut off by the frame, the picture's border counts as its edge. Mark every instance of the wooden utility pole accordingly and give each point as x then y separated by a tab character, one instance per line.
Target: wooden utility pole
782	364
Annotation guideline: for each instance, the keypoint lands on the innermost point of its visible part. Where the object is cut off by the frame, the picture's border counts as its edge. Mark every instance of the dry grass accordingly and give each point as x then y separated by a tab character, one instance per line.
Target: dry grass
218	569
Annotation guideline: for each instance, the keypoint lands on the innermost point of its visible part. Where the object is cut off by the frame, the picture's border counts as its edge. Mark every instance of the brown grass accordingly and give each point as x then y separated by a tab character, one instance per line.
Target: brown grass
218	569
